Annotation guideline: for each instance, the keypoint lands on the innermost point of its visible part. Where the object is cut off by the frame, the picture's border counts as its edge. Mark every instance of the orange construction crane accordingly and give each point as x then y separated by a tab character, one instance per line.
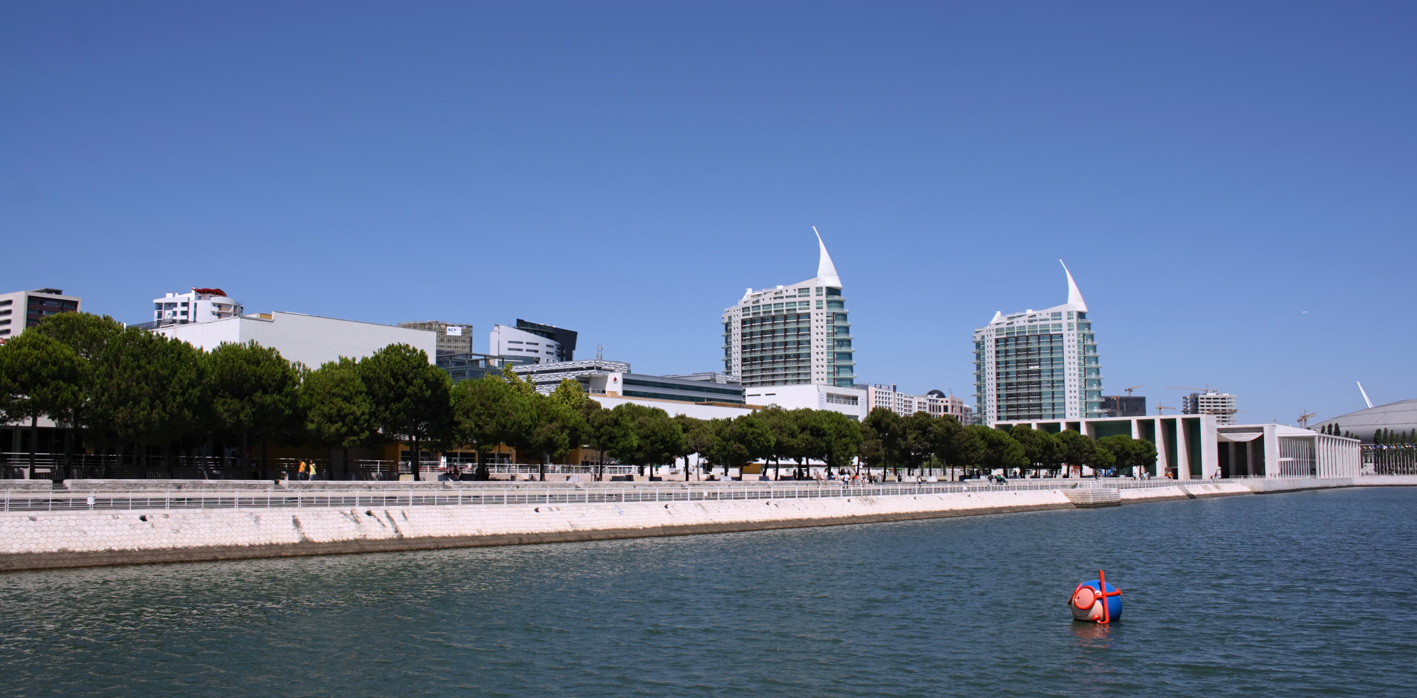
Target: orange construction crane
1304	419
1161	409
1129	390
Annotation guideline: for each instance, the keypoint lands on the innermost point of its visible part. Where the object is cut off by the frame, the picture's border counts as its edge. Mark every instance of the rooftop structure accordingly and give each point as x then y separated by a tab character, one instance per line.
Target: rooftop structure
308	339
533	341
792	335
197	305
848	401
1038	364
452	338
21	310
1400	417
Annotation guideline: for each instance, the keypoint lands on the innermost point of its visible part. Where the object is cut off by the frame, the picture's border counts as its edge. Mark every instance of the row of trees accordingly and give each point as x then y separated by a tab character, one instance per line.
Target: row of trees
112	387
926	442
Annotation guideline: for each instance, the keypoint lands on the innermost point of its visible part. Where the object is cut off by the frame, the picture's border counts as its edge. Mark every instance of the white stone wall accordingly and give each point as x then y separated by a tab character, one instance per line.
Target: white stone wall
101	531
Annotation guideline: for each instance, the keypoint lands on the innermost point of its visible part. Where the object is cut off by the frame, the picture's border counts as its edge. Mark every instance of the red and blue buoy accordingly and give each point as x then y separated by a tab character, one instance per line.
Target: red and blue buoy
1096	601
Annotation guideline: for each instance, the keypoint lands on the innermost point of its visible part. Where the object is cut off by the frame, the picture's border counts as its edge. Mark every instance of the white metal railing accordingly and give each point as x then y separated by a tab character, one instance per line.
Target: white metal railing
29	500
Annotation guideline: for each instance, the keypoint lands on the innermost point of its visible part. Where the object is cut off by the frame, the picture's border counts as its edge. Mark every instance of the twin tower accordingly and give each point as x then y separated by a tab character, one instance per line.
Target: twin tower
1034	365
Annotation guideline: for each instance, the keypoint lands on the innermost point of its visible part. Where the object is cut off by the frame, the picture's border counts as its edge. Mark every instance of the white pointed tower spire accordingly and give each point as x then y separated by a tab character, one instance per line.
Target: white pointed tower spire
1075	301
826	271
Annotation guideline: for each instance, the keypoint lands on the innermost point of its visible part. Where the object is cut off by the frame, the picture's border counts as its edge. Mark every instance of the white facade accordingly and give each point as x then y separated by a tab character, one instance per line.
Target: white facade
934	403
791	335
22	309
514	343
1196	447
308	339
1222	405
1038	364
195	306
697	410
848	401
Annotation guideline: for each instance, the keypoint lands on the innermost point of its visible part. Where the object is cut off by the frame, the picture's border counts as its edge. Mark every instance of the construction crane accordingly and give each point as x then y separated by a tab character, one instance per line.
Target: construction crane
1304	419
1207	388
1129	390
1161	409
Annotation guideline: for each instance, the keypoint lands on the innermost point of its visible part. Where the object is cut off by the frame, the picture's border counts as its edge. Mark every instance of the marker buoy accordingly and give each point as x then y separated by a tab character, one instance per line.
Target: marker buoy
1096	601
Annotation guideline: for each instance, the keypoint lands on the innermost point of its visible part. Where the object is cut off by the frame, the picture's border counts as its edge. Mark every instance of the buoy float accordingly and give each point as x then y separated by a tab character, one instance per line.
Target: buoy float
1096	601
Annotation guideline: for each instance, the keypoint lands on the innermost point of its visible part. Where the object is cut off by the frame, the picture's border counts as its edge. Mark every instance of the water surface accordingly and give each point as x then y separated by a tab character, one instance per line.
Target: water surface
1295	594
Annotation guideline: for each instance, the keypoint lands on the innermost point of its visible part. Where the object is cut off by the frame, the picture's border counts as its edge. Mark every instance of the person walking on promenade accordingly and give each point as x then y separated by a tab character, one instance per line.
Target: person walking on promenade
301	474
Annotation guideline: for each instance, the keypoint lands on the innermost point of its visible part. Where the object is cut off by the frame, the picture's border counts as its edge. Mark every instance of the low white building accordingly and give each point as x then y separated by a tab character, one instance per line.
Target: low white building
934	403
308	339
848	401
196	306
1197	447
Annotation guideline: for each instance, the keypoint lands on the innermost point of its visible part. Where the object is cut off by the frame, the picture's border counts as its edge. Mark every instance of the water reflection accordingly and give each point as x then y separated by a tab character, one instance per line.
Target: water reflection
1092	634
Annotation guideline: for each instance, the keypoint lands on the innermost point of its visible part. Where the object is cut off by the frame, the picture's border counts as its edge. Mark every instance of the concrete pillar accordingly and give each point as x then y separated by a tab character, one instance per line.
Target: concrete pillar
1271	451
1163	461
1210	456
1183	455
1136	428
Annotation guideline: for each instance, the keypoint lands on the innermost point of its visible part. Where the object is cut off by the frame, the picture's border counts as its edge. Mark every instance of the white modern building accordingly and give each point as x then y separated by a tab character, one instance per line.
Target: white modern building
195	306
532	341
20	310
1038	364
1196	447
308	339
848	401
1222	405
452	338
791	335
934	403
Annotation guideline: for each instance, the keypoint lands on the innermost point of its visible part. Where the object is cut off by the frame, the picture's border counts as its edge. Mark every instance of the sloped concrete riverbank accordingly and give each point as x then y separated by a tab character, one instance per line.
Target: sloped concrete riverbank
382	519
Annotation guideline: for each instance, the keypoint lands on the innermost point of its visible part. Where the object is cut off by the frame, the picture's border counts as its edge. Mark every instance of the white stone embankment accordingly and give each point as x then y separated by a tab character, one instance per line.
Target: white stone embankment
40	540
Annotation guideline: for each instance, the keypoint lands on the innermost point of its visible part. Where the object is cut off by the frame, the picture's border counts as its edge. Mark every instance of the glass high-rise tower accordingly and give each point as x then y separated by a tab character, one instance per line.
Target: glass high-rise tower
1039	364
791	335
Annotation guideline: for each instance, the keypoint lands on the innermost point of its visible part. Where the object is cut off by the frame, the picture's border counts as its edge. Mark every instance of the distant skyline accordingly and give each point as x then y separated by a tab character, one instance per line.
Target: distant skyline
1232	185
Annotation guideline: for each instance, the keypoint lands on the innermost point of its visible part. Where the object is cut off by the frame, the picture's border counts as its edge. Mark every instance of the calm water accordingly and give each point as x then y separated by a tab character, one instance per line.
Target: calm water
1295	594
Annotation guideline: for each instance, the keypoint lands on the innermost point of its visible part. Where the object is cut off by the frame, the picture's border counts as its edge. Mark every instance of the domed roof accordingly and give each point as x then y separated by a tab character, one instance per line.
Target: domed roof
936	393
1397	416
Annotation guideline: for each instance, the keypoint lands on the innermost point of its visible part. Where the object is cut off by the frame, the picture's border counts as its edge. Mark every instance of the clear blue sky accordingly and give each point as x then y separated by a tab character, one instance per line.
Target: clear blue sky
1234	185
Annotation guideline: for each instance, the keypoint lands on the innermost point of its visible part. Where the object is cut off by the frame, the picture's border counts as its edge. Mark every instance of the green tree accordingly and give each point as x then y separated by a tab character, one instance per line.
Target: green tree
833	438
1001	451
86	335
883	439
336	407
698	438
253	390
1039	448
39	376
411	398
786	436
945	440
558	426
1123	449
487	413
918	440
1078	450
149	389
645	436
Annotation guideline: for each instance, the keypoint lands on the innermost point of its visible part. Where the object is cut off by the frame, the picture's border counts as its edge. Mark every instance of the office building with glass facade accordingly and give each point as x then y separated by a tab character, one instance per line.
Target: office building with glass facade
1039	364
792	335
